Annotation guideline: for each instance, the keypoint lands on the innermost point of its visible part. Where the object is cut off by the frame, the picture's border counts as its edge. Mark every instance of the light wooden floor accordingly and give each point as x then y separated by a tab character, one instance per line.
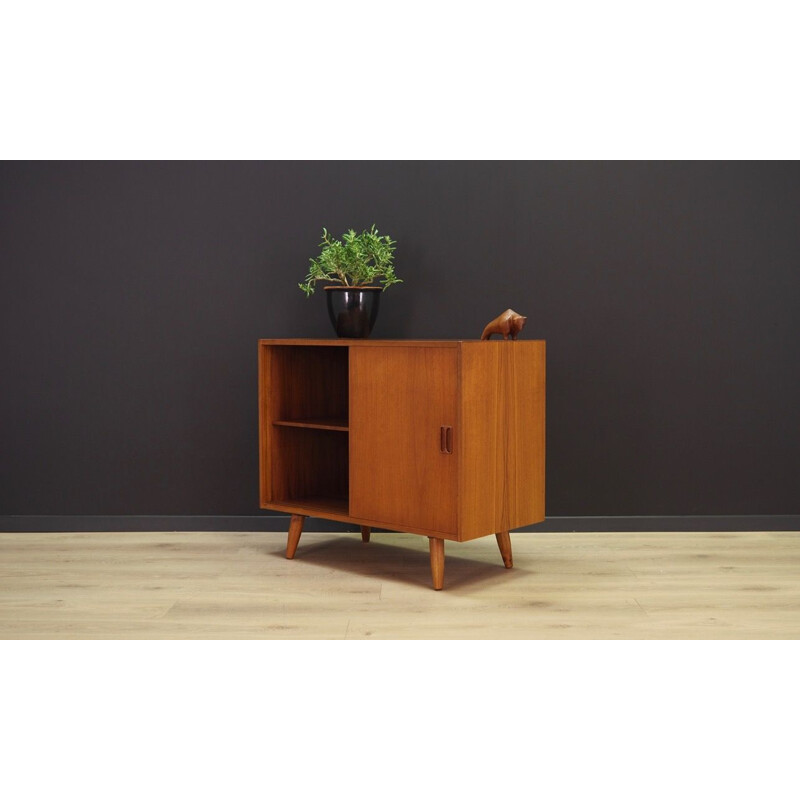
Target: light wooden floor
240	585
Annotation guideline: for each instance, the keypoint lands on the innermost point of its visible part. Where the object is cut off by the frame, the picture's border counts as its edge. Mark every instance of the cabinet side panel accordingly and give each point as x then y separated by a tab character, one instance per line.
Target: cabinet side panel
527	400
264	426
502	436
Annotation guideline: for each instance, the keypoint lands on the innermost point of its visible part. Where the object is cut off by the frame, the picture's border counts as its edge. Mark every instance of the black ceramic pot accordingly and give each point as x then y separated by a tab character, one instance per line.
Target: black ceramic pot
353	310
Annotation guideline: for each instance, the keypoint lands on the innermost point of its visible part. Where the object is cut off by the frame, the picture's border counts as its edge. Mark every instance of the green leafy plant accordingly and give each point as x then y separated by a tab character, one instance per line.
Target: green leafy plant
357	259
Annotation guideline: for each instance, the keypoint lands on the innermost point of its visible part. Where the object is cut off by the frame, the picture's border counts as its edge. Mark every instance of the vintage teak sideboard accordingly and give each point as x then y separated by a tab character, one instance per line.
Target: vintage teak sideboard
440	438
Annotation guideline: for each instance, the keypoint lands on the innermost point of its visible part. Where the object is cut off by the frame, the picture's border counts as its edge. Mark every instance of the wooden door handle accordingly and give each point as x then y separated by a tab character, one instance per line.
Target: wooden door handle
446	439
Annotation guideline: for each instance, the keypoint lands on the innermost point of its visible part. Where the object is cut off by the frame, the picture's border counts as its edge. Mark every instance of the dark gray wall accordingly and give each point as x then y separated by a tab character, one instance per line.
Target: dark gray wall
132	296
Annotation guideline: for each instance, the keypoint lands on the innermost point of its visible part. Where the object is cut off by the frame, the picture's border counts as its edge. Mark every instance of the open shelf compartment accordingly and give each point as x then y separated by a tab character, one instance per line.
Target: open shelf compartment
321	424
308	383
310	467
304	427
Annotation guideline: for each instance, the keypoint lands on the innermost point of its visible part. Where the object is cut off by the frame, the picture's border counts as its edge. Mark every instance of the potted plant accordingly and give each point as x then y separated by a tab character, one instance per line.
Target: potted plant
353	264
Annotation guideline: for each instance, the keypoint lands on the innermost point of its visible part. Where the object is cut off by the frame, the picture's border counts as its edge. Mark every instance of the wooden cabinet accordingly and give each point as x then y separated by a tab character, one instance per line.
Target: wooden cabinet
440	438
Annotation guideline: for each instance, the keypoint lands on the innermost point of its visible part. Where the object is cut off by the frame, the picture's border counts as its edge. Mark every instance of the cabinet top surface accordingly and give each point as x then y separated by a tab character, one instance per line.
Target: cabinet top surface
385	342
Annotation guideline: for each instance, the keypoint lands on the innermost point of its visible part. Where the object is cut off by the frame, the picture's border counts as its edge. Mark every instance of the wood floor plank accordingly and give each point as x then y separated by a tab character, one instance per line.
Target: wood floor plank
740	585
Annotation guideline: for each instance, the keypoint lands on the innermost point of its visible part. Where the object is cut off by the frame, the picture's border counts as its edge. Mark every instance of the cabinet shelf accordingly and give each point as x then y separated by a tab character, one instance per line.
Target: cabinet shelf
334	506
324	424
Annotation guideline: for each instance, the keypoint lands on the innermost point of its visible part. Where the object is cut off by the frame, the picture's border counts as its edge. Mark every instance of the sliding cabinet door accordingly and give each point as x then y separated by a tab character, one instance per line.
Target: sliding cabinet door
403	436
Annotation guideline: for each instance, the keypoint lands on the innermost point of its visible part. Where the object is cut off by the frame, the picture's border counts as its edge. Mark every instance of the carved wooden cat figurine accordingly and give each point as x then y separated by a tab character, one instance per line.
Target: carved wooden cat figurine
509	323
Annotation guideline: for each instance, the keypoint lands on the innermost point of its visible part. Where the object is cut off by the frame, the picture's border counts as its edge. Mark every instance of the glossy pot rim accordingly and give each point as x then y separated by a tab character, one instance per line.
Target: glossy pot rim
353	288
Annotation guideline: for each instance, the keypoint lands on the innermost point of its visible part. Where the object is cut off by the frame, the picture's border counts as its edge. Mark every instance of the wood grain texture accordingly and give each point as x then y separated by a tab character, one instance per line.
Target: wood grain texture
437	562
361	342
509	323
324	424
308	382
295	529
264	425
300	383
309	466
504	543
336	508
400	398
240	586
502	436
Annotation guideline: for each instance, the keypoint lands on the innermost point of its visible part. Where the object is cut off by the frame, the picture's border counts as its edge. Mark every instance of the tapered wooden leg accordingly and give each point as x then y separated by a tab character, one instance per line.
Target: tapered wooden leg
295	529
437	561
365	533
504	543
